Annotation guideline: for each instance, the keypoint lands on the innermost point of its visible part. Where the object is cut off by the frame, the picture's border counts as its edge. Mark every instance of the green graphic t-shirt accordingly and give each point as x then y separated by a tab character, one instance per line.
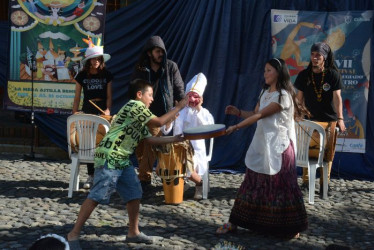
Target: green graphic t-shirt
128	128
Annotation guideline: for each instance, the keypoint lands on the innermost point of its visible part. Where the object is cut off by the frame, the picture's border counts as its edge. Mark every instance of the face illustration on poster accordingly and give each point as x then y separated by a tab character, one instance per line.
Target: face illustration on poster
55	8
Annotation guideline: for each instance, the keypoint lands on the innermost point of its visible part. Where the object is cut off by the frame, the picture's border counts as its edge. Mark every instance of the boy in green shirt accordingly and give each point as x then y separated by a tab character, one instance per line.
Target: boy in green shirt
114	170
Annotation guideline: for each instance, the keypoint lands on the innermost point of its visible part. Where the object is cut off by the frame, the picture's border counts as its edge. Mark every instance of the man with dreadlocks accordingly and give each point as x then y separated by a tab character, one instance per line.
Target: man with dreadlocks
319	88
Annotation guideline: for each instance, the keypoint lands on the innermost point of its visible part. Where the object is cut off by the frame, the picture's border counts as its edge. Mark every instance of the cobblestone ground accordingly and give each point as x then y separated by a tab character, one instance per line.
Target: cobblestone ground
33	202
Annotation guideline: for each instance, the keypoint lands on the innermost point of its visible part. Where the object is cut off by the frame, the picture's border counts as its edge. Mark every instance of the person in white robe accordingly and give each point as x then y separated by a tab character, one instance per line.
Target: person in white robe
192	116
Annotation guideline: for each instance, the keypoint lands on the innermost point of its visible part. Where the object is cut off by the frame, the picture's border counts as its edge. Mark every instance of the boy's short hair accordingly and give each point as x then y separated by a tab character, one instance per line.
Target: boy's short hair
137	85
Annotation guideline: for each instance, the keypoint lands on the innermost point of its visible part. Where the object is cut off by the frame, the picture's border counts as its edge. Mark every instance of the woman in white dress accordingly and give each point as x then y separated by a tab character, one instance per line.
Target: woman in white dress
269	200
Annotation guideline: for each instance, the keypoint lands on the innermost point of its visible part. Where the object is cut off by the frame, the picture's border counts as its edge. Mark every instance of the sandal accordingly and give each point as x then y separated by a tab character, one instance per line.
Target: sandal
140	238
226	228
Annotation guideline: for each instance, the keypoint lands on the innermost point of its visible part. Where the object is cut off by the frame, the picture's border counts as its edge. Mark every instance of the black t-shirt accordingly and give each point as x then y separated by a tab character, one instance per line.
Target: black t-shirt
323	110
158	106
94	87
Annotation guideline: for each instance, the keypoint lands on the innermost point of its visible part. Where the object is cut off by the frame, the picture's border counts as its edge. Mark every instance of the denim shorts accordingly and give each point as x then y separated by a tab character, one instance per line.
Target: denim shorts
107	181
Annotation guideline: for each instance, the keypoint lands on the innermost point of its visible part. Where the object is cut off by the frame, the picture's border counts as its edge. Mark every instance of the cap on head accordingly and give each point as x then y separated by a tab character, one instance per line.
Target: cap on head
322	48
197	84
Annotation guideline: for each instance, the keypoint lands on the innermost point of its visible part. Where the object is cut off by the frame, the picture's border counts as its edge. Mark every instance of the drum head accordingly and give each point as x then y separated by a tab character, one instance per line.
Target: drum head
205	131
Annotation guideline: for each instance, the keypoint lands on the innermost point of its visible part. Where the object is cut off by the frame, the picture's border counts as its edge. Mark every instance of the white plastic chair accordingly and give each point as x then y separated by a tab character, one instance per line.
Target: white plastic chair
304	131
205	177
86	127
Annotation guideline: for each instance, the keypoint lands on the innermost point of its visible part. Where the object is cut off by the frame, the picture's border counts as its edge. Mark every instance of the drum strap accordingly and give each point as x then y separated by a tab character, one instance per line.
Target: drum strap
166	154
176	173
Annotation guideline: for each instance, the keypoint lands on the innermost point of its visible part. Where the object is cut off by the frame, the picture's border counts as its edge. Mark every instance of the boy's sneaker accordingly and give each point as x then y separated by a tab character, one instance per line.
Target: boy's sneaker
198	193
88	184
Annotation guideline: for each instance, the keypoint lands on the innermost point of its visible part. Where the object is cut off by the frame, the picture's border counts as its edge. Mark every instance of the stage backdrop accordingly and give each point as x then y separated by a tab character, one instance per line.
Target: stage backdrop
349	36
45	50
230	42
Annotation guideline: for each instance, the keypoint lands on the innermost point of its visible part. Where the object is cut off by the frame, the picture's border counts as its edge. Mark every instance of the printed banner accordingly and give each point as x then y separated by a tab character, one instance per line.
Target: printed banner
45	50
349	36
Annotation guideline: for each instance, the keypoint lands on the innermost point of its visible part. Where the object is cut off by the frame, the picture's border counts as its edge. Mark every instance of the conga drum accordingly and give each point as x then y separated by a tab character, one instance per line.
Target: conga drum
74	138
330	142
171	167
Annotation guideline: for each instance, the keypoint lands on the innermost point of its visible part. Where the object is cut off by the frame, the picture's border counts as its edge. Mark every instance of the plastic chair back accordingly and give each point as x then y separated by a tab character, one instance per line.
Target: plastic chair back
304	133
84	132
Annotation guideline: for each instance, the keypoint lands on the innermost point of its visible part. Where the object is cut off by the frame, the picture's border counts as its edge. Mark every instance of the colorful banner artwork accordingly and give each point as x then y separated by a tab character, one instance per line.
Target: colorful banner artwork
45	50
348	34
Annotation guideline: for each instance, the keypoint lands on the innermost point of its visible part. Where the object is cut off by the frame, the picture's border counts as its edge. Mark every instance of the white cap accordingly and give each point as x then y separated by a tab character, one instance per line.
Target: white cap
197	84
95	51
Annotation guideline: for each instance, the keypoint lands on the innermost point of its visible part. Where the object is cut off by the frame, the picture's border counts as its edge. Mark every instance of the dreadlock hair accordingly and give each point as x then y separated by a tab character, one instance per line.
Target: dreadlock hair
284	82
330	61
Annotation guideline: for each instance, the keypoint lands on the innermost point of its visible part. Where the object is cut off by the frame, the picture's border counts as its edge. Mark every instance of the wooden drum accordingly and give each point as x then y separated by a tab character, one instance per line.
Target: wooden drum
171	168
330	143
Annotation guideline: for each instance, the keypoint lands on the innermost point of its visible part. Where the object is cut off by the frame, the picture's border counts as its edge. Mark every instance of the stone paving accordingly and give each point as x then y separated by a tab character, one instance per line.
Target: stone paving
33	202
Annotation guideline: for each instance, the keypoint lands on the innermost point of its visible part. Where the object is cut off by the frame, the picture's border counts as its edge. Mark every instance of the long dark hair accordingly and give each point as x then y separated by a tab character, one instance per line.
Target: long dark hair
100	70
284	82
144	60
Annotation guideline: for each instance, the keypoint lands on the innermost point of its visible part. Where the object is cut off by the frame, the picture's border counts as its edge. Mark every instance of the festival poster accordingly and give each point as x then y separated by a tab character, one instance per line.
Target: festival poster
45	51
349	36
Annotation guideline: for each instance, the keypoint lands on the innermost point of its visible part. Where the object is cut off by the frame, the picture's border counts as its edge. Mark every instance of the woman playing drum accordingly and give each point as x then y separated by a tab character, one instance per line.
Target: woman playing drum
96	82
